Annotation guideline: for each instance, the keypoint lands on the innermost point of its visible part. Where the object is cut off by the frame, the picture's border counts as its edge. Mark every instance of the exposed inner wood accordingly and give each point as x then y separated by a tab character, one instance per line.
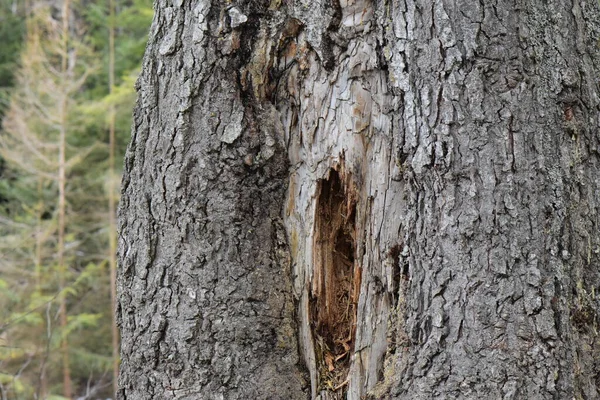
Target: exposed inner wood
336	281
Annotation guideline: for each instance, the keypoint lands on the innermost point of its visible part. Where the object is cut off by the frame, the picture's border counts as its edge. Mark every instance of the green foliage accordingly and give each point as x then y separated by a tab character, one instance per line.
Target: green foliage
30	333
131	24
19	389
12	31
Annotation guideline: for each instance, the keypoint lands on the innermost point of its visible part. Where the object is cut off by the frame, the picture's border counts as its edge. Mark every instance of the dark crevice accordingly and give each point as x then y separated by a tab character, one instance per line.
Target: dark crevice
336	281
398	272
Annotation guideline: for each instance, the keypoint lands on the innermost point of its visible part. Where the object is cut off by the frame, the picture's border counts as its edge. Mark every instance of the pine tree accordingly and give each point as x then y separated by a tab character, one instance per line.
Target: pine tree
92	106
36	146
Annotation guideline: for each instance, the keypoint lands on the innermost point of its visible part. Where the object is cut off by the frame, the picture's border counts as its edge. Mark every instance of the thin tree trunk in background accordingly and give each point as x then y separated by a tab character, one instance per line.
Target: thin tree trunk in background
39	237
39	242
363	199
112	229
62	268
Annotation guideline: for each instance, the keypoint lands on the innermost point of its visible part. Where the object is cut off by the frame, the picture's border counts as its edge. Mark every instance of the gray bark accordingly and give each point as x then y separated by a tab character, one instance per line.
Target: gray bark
363	199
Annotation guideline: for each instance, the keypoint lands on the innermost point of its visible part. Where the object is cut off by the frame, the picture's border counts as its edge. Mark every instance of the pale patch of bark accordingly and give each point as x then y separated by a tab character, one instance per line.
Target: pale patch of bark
342	117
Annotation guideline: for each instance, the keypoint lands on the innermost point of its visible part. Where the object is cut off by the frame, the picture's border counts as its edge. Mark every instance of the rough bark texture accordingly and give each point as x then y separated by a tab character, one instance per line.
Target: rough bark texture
206	307
364	199
501	179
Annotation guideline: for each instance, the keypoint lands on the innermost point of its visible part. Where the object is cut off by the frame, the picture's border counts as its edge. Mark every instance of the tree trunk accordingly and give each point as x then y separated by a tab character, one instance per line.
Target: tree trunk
62	204
112	198
363	199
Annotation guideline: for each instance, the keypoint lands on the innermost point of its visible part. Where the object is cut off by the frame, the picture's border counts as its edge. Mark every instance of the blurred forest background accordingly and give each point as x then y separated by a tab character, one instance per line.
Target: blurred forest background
67	73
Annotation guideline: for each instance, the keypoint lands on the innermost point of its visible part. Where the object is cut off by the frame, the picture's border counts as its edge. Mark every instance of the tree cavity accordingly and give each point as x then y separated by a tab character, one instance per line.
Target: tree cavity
336	280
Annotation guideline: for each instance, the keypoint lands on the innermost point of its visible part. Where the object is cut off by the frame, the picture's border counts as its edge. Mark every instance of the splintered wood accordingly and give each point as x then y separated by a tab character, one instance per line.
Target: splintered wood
336	280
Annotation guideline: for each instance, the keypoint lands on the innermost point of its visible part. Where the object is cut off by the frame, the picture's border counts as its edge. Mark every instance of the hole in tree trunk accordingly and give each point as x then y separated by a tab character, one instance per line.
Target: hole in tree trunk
336	281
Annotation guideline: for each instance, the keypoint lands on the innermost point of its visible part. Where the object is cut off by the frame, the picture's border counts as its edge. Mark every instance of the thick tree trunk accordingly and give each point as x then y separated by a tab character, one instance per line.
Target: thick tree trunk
365	199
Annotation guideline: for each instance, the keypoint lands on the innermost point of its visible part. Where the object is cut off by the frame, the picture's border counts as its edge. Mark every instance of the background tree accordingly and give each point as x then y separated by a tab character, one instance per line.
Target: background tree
112	203
29	334
363	198
36	141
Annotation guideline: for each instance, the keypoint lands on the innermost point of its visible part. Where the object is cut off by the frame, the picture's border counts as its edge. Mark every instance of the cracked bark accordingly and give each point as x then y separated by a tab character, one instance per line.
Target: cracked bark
463	137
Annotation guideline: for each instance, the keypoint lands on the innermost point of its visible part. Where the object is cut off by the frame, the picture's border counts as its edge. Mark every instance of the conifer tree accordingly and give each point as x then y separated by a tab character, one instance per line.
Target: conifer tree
43	301
35	143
